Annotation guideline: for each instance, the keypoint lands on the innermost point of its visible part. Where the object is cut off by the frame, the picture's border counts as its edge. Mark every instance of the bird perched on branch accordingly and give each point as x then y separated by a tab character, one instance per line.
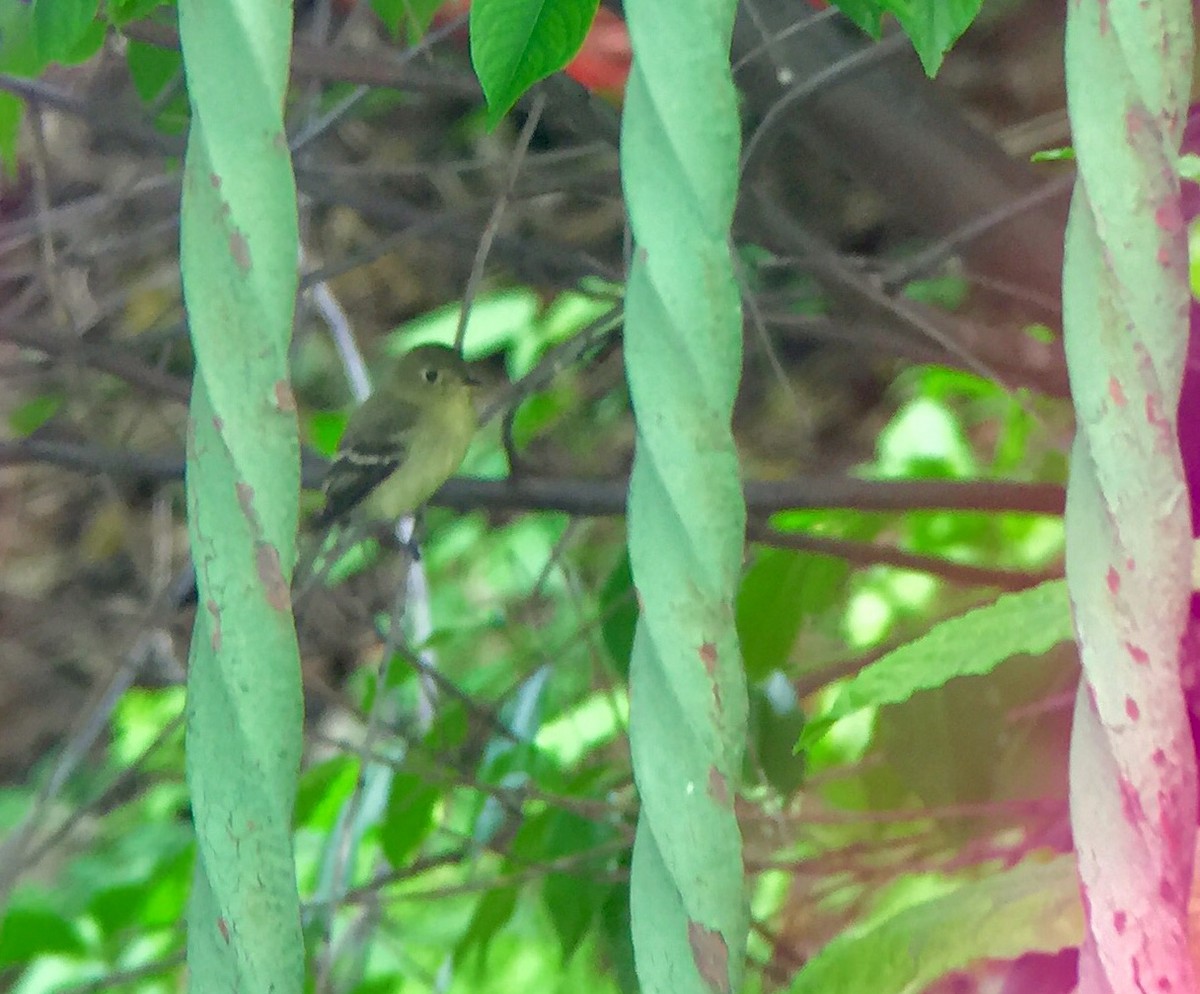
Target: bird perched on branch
406	439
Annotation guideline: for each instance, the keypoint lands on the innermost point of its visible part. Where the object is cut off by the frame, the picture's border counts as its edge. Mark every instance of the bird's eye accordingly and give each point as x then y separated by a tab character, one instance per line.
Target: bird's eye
431	375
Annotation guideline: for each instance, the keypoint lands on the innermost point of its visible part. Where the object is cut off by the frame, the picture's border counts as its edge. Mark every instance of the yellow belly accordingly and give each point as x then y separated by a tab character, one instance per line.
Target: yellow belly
436	451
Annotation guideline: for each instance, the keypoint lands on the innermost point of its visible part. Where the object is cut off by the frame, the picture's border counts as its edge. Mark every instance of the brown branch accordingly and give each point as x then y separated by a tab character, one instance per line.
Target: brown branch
873	554
110	360
342	65
606	498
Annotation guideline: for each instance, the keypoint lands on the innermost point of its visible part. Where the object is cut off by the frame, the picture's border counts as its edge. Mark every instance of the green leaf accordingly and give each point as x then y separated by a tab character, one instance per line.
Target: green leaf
1065	153
776	721
121	12
867	14
1030	621
414	15
959	727
617	932
31	415
497	320
618	608
151	68
778	594
515	43
492	913
10	126
28	932
934	25
1032	908
572	900
409	818
18	55
1194	256
62	25
324	430
324	788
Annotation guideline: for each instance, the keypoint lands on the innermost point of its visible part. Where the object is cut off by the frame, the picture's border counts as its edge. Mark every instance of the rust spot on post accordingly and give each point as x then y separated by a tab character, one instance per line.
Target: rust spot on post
245	496
239	248
285	400
718	787
267	561
215	613
708	656
1137	654
711	956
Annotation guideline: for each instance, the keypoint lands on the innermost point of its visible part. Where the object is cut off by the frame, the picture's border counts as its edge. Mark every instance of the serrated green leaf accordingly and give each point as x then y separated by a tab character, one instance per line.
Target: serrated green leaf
515	43
1030	621
409	818
1032	908
61	26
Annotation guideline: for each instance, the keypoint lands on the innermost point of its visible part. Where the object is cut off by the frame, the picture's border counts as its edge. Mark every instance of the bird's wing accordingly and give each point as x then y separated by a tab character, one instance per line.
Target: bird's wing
372	448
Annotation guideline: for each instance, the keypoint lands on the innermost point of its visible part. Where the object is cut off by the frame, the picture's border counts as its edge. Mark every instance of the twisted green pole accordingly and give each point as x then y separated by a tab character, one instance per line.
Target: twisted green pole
244	708
1125	307
679	149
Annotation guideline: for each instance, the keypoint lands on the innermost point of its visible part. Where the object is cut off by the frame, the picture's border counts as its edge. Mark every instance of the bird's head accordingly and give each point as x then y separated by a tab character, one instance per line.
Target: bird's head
432	370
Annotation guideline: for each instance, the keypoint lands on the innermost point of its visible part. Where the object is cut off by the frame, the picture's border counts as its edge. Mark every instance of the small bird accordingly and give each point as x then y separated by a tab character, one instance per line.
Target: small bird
407	438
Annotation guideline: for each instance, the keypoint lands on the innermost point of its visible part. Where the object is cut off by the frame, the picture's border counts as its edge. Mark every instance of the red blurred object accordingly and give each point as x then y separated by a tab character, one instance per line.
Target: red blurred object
602	64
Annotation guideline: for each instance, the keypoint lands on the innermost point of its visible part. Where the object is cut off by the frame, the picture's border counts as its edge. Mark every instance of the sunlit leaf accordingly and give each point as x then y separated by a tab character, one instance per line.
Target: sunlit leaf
1034	907
515	43
1030	621
409	818
28	931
